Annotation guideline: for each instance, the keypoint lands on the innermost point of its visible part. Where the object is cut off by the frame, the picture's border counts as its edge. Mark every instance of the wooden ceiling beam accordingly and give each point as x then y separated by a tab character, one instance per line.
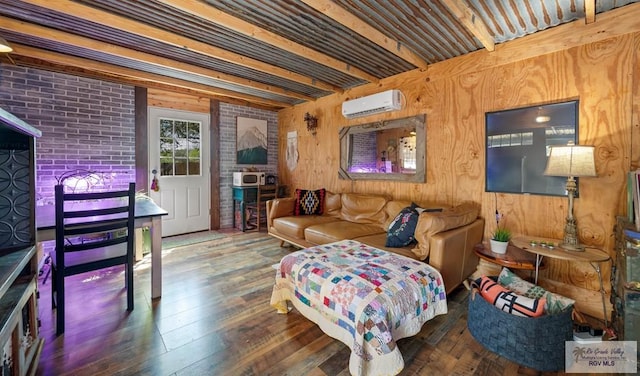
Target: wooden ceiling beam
37	31
133	74
203	10
101	17
589	11
81	72
340	15
471	22
32	62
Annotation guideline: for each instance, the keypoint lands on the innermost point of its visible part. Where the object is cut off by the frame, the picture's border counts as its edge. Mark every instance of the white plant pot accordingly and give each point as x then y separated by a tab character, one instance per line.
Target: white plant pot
498	247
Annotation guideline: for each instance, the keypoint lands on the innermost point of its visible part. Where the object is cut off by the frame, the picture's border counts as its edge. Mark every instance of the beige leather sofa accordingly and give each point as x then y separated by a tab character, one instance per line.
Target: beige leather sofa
444	239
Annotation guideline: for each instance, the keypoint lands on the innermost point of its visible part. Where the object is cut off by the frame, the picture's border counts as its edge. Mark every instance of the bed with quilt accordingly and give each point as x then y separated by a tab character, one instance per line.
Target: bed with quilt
363	296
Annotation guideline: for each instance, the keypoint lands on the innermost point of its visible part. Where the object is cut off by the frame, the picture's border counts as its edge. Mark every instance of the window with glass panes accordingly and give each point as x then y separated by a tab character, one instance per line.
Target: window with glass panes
179	147
408	152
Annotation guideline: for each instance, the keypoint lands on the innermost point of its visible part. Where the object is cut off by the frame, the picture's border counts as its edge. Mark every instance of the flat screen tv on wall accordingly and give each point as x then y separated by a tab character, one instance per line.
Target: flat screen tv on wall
518	142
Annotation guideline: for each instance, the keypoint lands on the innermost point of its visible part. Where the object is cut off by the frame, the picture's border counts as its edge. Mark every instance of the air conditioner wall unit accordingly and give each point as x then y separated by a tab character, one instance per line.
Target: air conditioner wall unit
389	100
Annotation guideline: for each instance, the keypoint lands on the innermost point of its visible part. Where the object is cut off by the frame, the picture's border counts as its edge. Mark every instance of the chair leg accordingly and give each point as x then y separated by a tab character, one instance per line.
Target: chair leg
259	211
129	283
53	287
60	309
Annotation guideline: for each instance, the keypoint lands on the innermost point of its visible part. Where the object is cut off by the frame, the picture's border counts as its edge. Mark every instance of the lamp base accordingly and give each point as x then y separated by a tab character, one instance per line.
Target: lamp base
570	240
572	247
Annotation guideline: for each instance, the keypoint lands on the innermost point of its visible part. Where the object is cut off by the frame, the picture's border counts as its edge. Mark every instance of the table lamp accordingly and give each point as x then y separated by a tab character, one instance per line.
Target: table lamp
571	161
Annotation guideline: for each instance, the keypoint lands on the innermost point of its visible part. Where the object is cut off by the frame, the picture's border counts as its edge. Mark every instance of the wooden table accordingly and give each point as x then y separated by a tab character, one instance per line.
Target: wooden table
514	258
242	196
147	214
593	256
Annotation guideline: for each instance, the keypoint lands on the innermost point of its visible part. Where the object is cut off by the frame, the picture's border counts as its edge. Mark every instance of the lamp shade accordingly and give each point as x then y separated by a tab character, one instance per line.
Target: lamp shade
4	46
571	160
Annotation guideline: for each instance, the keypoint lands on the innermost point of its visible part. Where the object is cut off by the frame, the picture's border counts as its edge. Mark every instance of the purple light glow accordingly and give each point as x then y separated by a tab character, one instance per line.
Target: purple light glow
89	182
363	168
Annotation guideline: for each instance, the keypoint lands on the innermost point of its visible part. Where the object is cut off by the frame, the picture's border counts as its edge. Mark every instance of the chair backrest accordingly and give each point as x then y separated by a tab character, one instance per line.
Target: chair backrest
103	219
267	192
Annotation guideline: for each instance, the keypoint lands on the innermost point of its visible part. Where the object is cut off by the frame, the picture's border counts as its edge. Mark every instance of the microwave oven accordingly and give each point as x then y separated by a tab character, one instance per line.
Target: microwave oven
248	179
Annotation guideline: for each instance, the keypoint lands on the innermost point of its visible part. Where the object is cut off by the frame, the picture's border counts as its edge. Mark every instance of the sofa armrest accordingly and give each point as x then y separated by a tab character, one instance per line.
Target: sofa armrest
279	207
432	223
451	252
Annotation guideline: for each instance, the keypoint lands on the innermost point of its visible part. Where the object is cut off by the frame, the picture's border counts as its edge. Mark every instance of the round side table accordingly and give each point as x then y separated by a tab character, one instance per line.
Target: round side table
514	258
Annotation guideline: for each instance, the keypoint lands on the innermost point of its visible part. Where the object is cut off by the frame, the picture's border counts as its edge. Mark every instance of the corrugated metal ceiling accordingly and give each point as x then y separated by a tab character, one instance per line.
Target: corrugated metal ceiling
319	55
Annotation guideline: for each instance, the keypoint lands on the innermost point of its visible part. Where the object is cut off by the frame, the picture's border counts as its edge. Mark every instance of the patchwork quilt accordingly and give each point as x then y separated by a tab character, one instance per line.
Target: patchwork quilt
363	296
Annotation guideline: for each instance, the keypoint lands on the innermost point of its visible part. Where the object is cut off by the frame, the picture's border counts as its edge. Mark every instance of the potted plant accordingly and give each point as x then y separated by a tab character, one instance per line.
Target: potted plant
500	240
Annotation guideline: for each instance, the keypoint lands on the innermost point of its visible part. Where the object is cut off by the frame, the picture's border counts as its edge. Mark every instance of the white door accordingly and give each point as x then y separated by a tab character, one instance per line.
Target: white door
179	156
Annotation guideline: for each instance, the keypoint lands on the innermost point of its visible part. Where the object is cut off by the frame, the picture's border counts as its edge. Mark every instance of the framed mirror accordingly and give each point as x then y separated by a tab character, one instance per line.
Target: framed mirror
518	142
385	150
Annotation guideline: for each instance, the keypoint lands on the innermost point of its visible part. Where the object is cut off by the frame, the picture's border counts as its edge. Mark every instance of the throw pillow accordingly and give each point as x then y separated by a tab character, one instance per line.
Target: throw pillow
554	303
309	202
402	228
508	301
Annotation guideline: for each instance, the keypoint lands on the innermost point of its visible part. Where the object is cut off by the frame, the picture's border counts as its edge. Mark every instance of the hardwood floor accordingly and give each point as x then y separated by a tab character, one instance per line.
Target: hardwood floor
214	318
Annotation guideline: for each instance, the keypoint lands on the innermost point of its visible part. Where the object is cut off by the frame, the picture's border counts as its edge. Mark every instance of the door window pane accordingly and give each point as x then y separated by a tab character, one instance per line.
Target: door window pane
166	128
179	147
194	166
166	167
166	148
180	167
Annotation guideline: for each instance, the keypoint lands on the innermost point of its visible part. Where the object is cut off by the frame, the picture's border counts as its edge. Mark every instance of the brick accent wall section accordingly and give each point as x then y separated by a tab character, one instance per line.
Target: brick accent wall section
364	155
89	124
228	115
86	124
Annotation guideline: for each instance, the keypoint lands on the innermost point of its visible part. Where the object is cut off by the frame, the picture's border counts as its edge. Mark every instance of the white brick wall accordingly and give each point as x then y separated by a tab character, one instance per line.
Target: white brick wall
228	115
86	124
89	124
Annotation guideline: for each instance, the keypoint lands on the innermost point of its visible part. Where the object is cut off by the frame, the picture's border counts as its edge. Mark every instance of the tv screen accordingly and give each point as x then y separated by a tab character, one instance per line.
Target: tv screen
518	142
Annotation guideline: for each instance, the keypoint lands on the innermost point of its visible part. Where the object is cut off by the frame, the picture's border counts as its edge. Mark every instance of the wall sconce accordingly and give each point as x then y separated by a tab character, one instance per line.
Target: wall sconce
4	46
312	123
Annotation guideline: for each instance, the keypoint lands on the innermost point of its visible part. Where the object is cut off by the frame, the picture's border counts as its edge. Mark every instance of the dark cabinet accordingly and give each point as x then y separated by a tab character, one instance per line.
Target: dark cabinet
625	283
19	324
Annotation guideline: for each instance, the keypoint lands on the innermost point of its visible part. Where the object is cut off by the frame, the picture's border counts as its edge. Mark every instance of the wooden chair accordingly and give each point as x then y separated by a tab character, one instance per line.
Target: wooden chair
93	231
256	209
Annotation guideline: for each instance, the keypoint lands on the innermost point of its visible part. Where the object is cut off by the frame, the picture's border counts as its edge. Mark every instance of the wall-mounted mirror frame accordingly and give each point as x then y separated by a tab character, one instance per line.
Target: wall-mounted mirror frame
518	143
415	124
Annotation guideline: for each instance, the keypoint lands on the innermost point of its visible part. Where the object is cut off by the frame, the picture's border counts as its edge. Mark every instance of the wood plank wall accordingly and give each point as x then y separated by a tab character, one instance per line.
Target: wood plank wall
597	64
178	101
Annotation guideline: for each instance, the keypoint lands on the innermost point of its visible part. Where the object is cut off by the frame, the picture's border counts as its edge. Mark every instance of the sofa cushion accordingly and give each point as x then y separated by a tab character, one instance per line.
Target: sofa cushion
402	228
362	208
431	223
332	204
339	230
294	226
309	202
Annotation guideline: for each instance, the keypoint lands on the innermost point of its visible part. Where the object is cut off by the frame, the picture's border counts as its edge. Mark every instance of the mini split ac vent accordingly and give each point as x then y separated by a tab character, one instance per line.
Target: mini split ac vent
389	100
